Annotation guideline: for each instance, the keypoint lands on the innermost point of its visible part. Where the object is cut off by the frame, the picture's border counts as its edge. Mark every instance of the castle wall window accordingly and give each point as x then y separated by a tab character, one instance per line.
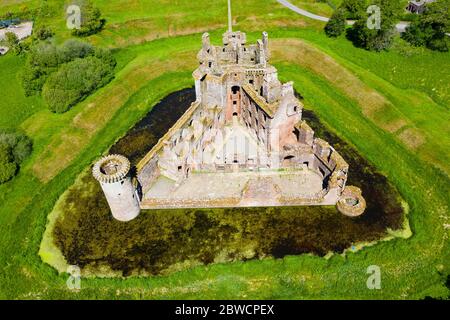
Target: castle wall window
297	133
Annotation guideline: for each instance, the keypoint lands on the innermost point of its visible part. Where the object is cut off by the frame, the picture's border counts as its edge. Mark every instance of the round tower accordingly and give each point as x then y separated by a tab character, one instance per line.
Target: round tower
112	172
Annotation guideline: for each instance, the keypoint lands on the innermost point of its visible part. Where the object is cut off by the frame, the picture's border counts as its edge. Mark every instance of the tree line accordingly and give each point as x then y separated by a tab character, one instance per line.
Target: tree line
66	74
428	29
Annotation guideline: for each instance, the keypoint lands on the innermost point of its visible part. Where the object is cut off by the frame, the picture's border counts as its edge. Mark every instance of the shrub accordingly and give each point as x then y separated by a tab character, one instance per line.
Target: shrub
45	58
43	33
377	39
370	39
8	167
14	148
73	49
20	145
42	60
12	42
74	81
430	27
336	25
91	21
354	8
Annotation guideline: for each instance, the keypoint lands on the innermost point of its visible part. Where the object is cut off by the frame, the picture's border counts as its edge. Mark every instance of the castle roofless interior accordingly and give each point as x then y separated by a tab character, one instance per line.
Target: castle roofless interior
241	143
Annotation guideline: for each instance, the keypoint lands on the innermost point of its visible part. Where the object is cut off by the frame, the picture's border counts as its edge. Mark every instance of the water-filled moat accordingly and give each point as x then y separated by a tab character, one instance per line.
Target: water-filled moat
162	241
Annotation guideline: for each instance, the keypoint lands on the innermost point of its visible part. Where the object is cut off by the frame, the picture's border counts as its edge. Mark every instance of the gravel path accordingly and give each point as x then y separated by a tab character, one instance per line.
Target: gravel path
401	26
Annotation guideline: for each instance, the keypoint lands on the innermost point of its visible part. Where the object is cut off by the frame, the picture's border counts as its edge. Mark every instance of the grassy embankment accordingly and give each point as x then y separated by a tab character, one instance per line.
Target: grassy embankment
411	268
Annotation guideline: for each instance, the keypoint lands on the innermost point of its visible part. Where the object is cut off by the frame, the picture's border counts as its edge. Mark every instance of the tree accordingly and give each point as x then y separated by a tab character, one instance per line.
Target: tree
429	28
8	167
43	33
19	143
41	61
336	25
73	49
12	42
377	39
354	8
91	21
14	148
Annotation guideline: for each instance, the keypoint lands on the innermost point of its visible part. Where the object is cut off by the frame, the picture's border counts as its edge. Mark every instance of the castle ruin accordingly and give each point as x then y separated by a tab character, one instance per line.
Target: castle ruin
241	143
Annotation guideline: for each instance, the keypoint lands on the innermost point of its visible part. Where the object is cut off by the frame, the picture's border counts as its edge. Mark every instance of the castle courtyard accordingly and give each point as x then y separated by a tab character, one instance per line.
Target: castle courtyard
261	188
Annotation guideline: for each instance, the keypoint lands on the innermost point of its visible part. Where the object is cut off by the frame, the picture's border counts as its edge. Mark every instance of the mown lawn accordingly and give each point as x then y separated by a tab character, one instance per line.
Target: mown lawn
412	268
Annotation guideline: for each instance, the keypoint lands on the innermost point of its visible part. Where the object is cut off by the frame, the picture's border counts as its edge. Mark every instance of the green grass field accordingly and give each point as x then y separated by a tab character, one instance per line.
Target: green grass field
393	107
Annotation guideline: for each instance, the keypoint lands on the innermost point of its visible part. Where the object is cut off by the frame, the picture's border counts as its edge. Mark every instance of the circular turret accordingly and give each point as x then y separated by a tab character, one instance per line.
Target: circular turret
112	172
111	168
351	203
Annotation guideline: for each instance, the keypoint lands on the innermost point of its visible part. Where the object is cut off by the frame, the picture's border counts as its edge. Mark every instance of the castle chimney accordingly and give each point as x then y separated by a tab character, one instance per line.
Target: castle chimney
265	40
206	43
230	21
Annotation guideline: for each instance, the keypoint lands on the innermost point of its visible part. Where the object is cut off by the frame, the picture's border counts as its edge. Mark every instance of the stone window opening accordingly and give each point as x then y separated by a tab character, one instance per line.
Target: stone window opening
296	133
322	171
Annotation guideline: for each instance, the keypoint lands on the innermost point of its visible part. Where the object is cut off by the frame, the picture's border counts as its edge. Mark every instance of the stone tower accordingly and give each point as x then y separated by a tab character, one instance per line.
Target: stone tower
112	172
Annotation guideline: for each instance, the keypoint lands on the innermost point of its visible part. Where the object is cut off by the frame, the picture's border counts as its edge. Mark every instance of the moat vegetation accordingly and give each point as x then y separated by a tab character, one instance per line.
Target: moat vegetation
155	52
159	241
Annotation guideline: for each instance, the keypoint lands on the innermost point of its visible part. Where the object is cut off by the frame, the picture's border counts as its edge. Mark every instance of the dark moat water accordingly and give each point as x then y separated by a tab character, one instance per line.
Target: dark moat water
159	241
146	133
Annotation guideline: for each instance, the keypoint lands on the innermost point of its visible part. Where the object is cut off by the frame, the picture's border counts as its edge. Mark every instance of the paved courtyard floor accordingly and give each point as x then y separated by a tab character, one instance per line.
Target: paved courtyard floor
262	188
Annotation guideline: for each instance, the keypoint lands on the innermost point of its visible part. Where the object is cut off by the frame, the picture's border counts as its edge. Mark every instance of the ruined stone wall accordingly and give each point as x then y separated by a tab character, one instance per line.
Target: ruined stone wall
256	120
